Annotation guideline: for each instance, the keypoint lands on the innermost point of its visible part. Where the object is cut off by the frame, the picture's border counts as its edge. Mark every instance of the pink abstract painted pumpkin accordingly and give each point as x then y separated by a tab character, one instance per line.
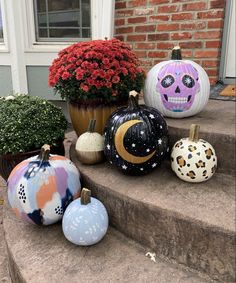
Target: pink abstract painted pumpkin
41	187
178	88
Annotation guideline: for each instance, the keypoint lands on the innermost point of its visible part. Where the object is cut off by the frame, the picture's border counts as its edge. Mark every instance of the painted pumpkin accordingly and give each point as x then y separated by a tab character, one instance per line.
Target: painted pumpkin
41	187
193	159
85	221
90	146
177	88
136	138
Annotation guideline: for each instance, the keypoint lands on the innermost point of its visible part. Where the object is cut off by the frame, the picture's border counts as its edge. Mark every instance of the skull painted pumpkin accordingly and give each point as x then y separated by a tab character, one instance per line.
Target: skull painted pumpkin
178	88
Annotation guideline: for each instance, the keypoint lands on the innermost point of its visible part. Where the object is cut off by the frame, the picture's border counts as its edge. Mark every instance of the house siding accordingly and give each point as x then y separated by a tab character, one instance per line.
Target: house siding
5	81
153	27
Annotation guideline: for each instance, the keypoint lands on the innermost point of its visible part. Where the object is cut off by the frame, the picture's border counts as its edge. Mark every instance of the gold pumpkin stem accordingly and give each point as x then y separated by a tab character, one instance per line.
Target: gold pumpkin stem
85	196
194	132
133	99
91	126
44	153
176	53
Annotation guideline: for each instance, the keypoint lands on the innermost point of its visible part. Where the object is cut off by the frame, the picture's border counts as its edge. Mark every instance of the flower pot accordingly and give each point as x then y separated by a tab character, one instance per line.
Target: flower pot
9	161
81	112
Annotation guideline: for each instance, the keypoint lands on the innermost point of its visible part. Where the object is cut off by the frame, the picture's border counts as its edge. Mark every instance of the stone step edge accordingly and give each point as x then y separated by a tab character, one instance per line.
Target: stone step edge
215	236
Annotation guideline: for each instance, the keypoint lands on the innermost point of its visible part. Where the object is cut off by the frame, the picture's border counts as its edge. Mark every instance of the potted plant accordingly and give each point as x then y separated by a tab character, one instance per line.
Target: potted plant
27	123
95	77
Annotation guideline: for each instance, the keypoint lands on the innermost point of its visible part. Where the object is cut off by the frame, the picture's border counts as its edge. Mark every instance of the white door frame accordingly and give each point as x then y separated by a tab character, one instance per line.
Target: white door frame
225	43
20	48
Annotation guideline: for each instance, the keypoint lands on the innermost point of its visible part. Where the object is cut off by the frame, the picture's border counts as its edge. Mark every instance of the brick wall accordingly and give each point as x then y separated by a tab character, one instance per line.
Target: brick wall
154	27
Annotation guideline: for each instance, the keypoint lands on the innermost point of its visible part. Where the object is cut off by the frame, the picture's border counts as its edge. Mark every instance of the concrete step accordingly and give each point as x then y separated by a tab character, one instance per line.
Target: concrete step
43	255
4	274
193	224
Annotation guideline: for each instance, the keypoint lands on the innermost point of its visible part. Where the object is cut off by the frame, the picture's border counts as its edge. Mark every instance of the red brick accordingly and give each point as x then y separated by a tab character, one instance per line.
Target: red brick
213	44
207	54
216	24
141	54
198	6
124	30
145	45
193	26
191	44
119	22
120	37
207	34
137	3
217	4
182	35
182	17
124	13
157	54
144	11
168	9
136	37
159	18
158	36
157	61
210	63
165	45
146	63
120	5
213	80
145	28
210	15
187	53
156	2
211	72
137	20
166	27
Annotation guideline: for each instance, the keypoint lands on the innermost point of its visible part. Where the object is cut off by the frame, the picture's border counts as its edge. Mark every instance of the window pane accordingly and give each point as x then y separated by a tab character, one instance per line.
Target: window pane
61	19
1	25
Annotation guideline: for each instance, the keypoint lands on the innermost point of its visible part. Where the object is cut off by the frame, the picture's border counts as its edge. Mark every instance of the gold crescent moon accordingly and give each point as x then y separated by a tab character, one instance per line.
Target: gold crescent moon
119	144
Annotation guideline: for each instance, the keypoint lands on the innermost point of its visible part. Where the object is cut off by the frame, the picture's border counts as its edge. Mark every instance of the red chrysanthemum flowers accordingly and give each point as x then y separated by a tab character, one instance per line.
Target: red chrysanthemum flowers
96	69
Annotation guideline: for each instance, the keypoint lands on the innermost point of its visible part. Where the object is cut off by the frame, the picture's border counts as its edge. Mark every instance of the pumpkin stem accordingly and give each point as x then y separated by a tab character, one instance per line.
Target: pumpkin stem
133	99
176	53
193	133
91	126
85	196
44	153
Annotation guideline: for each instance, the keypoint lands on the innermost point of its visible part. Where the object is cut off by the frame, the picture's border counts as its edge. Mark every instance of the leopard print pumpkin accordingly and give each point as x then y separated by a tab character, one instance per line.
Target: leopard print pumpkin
193	161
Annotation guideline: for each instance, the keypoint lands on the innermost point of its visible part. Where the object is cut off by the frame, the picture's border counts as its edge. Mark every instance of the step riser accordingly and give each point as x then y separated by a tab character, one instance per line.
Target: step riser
198	247
224	146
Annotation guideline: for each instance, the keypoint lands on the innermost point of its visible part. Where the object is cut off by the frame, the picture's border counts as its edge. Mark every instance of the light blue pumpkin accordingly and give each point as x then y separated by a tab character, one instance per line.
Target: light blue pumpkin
85	220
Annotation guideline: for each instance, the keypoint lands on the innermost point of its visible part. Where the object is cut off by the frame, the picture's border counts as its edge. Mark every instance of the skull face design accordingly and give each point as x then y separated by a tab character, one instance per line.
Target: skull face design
178	85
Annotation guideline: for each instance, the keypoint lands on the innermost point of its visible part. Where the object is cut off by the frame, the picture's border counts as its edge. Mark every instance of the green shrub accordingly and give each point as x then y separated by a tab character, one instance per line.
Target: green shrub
28	122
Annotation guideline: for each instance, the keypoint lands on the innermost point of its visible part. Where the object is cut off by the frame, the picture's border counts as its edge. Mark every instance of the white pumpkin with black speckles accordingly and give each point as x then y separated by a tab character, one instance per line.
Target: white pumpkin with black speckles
193	161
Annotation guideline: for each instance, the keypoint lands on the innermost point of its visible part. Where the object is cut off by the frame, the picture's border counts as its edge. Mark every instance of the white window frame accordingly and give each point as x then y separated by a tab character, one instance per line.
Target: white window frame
20	48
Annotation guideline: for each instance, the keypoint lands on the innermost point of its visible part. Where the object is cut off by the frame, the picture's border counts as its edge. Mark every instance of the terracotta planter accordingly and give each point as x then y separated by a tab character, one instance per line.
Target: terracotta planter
82	112
9	161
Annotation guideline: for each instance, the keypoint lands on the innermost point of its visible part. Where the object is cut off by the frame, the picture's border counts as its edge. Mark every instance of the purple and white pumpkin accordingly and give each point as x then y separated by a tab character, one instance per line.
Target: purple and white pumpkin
177	88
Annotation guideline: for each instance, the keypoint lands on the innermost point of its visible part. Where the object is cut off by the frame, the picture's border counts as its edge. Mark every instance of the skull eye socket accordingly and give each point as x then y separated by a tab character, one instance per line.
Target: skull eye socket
188	81
167	81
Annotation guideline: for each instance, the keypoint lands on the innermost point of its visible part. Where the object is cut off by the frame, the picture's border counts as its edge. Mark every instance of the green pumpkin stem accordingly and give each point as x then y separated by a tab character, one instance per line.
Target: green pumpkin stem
44	153
85	196
133	99
194	132
176	53
91	126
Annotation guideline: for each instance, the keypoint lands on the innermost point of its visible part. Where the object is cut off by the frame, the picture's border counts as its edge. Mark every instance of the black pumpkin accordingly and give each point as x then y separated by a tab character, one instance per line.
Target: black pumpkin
136	138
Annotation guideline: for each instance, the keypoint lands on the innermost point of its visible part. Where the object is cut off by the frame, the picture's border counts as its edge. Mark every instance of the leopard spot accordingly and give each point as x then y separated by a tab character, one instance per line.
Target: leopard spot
178	144
190	156
201	164
204	173
213	169
191	174
208	153
192	148
180	160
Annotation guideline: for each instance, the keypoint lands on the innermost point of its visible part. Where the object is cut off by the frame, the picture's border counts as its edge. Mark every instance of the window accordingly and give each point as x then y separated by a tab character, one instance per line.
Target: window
1	26
62	20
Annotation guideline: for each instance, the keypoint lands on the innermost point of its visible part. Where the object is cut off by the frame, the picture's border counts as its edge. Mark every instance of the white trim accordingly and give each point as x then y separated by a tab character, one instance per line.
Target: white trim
20	48
4	44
